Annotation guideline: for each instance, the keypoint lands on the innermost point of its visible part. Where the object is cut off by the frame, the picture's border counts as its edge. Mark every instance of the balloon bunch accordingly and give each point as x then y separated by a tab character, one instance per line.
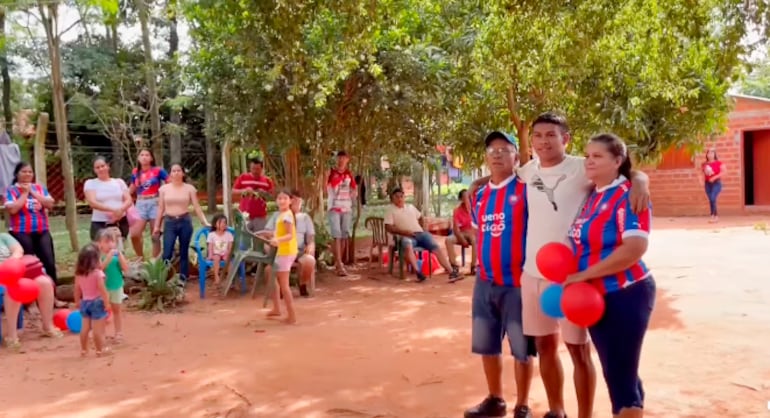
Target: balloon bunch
19	288
581	303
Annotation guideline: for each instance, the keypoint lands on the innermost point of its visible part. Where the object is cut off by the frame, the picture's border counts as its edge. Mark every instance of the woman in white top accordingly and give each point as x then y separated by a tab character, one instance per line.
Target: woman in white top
109	198
175	200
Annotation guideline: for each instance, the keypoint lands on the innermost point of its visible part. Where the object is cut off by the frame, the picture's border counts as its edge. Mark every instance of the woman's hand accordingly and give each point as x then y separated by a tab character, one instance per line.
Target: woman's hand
274	242
24	188
575	278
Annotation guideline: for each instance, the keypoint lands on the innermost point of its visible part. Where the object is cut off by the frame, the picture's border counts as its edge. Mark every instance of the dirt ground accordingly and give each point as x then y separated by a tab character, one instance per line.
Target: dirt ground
371	346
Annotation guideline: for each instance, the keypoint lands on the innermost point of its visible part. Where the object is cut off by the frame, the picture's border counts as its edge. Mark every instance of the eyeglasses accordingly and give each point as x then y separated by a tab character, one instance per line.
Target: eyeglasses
500	151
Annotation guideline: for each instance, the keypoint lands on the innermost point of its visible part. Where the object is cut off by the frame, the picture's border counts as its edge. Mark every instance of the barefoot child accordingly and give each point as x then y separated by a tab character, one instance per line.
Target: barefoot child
114	265
220	242
285	239
90	296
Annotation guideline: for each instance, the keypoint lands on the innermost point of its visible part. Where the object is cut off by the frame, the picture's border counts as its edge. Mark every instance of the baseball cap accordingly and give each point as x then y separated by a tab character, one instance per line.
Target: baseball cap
501	135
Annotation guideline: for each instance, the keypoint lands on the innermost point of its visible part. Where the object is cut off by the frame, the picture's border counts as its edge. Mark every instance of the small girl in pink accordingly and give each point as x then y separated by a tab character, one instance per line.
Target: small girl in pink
91	297
220	243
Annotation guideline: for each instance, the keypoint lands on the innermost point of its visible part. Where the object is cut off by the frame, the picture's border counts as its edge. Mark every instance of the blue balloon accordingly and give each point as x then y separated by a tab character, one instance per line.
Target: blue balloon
550	301
74	322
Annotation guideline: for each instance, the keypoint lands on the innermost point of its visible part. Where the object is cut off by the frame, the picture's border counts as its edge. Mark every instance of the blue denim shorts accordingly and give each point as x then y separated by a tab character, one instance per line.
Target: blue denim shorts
496	313
340	224
423	240
147	208
93	309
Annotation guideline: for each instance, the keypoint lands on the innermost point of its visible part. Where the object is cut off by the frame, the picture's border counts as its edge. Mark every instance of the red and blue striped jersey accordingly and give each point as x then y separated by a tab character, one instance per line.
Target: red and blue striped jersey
500	216
148	181
605	220
29	219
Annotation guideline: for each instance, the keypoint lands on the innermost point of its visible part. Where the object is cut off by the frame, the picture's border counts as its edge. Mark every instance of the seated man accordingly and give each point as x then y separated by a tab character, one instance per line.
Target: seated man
463	232
404	220
305	243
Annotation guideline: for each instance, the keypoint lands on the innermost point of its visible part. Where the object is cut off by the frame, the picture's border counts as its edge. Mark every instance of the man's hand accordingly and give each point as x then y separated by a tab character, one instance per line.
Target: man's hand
640	194
477	184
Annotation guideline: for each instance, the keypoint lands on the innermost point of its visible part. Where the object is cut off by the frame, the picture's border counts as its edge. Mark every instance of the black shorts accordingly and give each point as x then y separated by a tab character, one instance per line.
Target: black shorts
122	225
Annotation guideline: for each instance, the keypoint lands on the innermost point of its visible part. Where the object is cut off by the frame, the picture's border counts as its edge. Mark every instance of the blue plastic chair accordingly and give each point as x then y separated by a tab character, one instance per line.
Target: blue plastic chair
19	322
204	264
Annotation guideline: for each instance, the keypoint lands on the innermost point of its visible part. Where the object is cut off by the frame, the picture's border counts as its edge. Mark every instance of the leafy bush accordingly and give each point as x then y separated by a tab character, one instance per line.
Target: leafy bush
163	289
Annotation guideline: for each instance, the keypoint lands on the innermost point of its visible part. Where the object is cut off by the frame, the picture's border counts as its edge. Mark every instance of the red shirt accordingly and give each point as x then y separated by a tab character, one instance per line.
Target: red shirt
462	218
340	186
253	205
714	168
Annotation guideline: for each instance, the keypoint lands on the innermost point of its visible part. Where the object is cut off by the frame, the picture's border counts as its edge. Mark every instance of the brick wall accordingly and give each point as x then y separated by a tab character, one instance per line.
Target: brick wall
679	191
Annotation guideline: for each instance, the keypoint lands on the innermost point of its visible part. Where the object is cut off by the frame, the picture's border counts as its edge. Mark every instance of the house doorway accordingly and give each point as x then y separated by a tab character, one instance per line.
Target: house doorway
756	160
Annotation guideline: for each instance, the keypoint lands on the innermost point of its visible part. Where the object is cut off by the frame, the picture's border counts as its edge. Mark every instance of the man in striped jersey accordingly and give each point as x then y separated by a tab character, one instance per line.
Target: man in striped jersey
499	212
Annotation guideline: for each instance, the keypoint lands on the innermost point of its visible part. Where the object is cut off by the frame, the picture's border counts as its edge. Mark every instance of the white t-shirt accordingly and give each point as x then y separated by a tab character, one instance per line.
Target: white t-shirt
554	197
109	193
406	218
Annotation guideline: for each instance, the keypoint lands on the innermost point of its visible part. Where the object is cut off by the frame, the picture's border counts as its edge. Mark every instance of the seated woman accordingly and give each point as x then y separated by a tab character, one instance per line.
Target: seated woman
10	248
609	241
306	261
463	232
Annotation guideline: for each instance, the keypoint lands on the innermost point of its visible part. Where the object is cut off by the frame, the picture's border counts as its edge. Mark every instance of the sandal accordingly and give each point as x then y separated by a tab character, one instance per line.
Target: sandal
103	352
14	345
53	333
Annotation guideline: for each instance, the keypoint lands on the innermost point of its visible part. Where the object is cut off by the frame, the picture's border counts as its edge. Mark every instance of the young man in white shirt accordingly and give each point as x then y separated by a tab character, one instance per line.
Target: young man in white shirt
557	187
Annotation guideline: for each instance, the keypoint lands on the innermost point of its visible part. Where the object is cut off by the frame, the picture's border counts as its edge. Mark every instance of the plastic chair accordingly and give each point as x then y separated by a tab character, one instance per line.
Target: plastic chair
19	321
204	264
396	248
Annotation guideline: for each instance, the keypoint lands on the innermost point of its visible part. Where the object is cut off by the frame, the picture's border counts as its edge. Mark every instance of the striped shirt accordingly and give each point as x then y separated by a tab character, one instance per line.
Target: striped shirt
605	220
32	217
500	216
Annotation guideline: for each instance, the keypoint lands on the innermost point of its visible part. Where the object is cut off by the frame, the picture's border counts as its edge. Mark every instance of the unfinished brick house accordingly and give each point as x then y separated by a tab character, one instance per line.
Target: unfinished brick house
677	185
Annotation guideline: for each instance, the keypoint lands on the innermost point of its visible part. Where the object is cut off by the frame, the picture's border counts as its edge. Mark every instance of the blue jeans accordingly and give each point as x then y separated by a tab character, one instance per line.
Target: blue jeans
618	338
182	228
712	191
423	240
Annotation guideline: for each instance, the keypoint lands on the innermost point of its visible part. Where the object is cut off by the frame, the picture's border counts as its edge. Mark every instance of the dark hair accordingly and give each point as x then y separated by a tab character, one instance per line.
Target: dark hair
181	167
296	193
342	153
215	220
290	193
461	194
88	260
617	148
19	166
394	191
101	158
256	160
714	150
139	164
553	118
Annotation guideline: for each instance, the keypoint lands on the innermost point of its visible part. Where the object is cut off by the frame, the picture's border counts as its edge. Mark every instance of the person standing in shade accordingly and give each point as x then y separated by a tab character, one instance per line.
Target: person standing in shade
341	188
463	232
254	187
146	180
712	178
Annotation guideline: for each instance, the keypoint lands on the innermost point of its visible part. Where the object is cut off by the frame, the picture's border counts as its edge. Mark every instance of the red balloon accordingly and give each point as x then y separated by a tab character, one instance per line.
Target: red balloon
60	319
11	270
556	261
582	304
24	291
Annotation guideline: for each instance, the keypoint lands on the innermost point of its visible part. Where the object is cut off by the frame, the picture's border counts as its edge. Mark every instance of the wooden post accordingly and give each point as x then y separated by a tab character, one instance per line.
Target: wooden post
227	192
38	152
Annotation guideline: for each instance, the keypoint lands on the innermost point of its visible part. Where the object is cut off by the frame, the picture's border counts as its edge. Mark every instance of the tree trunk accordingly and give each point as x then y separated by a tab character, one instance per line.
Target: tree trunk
418	176
351	259
521	124
7	111
175	139
156	137
50	23
211	161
